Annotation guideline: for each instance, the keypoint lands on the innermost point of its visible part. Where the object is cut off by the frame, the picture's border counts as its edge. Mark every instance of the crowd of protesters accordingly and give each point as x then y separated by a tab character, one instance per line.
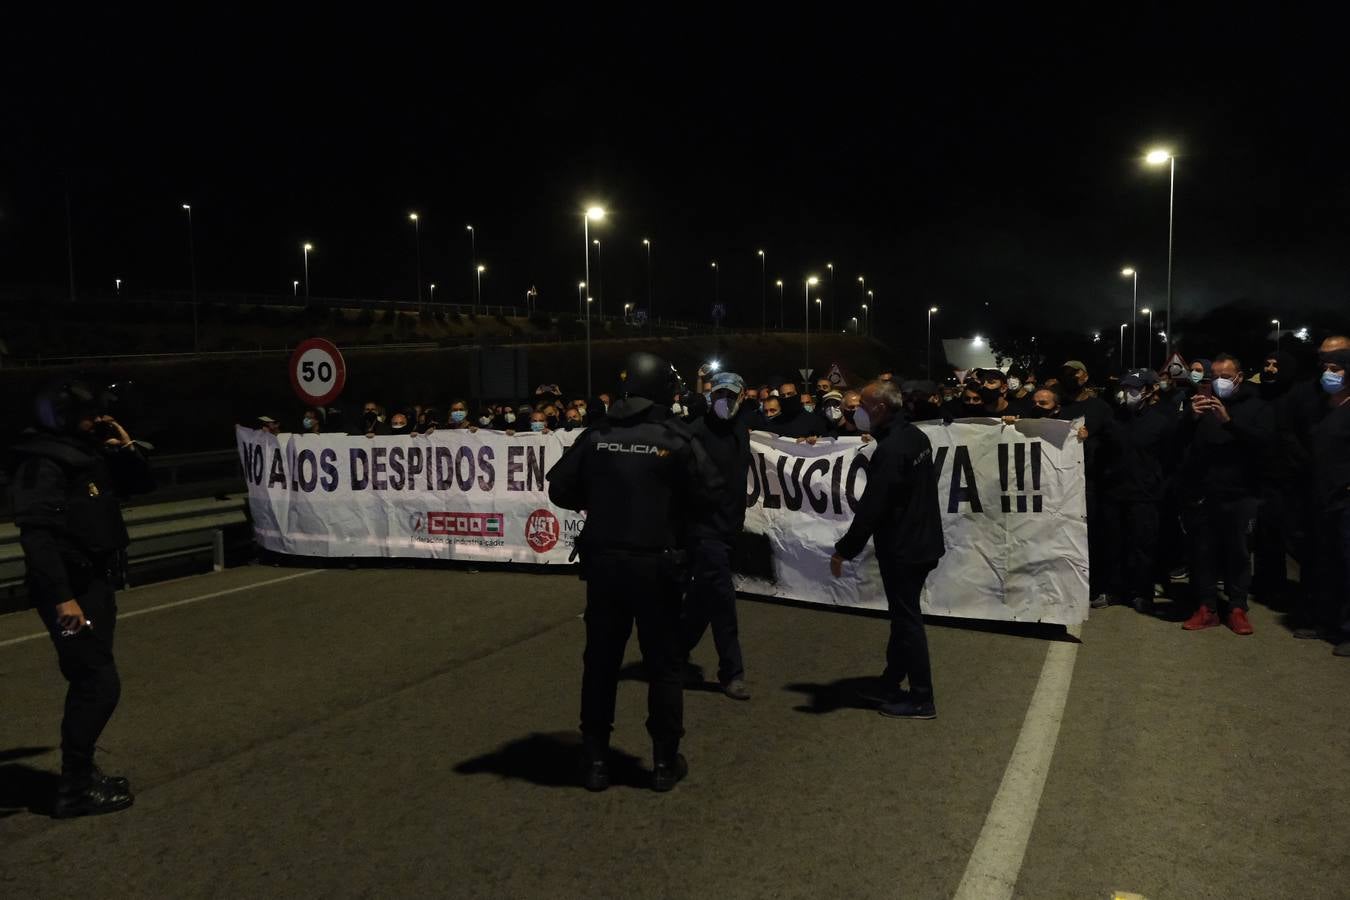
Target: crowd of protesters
1212	474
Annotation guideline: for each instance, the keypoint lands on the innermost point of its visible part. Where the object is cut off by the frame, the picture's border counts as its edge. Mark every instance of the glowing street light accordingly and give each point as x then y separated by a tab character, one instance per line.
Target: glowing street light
295	287
781	319
717	287
417	240
929	346
592	214
1096	337
806	322
1148	359
820	314
481	269
306	248
117	286
1157	158
763	293
834	305
1276	323
432	286
1129	272
473	259
651	301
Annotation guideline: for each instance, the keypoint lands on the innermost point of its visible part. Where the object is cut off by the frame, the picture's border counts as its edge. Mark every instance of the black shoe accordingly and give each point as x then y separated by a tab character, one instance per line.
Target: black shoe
1143	605
736	689
909	707
881	692
95	797
595	764
668	772
1101	601
116	782
1313	633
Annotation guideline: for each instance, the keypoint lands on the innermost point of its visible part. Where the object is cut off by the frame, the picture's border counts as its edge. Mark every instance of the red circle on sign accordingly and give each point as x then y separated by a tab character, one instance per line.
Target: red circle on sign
541	531
308	372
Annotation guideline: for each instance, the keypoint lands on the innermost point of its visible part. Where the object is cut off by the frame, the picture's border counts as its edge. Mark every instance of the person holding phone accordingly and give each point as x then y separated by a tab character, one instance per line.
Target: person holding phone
67	478
1228	433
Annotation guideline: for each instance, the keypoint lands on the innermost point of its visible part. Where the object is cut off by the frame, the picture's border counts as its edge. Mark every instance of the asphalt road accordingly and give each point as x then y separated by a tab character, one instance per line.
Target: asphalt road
410	732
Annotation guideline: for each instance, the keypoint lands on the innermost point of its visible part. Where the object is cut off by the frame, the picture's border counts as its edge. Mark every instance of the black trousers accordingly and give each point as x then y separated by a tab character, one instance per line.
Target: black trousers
712	600
1218	533
621	590
1098	548
1329	596
1280	533
86	661
907	649
1130	547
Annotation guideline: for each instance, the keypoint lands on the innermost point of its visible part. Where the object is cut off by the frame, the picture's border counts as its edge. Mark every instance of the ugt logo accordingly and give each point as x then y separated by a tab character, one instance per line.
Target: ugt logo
541	531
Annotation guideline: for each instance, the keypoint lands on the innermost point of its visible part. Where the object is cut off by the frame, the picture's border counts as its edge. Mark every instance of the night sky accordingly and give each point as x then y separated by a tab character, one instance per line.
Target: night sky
963	162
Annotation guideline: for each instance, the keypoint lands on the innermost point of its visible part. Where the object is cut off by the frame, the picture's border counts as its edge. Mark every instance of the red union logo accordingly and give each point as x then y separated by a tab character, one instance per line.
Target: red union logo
465	524
541	531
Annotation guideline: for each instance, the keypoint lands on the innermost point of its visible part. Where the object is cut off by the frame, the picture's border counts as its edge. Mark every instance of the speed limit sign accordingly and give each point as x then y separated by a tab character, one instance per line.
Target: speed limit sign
318	373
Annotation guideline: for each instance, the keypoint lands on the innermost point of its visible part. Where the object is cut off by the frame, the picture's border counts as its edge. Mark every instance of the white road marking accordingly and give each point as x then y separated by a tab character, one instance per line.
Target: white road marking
991	873
184	602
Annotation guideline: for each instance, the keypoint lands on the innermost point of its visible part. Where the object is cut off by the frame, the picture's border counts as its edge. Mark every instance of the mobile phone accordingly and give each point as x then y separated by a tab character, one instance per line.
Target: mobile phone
1206	389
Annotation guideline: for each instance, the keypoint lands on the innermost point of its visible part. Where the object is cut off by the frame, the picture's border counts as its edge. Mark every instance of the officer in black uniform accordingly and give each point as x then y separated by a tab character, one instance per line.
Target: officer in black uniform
67	477
642	479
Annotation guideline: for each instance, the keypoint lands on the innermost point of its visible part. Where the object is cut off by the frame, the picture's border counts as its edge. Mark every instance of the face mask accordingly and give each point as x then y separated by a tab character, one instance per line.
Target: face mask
509	418
1120	397
371	417
458	415
723	408
1039	413
677	409
1224	388
538	426
1197	377
862	420
833	413
484	421
989	395
809	407
570	424
552	421
1014	384
398	428
308	423
771	414
1133	399
1166	385
1333	382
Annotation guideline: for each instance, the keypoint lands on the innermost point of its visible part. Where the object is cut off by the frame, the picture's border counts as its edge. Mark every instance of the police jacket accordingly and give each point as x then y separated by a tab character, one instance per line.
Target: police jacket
1225	460
727	444
899	507
1135	448
641	478
65	494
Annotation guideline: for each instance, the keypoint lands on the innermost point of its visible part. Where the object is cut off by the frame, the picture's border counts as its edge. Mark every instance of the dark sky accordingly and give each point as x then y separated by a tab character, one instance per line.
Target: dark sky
957	162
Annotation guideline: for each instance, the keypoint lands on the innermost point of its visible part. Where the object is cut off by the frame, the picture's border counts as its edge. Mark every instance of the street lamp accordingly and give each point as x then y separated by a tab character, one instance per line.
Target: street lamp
1276	323
295	287
432	286
592	214
781	318
854	320
417	239
867	325
117	286
929	346
820	317
833	298
871	298
1122	345
306	248
192	265
717	288
806	323
1157	158
480	270
651	303
763	293
473	259
1148	359
1134	314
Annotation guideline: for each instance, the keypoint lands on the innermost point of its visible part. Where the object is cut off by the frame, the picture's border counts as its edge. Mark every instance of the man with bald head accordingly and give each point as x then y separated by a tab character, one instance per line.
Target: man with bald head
899	512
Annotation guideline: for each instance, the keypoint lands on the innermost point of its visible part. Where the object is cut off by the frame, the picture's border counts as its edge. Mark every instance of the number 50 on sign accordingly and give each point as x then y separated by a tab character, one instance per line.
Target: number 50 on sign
318	373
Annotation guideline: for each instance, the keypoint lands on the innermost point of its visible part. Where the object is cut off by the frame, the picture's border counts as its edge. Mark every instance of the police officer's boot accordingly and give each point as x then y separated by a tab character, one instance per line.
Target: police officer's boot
91	794
670	766
595	762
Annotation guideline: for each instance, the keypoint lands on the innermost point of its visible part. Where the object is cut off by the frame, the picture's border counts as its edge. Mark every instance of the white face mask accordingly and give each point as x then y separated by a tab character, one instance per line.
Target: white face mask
833	413
677	409
485	421
1224	387
809	407
862	420
509	418
1120	396
1197	376
1014	384
724	408
1133	399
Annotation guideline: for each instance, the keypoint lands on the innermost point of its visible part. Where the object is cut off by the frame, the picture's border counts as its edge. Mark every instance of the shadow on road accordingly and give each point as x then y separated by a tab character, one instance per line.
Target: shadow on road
845	693
694	679
23	787
552	760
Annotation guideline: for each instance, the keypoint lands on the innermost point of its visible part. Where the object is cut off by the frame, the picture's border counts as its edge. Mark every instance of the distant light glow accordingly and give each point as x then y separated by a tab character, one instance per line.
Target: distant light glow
932	309
1127	272
813	280
412	217
977	341
1158	157
309	247
714	366
595	213
1145	311
482	268
779	282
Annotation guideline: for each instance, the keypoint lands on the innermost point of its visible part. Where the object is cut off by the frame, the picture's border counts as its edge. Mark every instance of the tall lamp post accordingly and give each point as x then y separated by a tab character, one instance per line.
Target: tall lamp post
1134	317
871	301
592	214
1122	346
806	323
651	302
1276	323
867	323
192	265
305	249
834	299
479	273
599	281
295	287
417	240
782	320
717	287
432	288
820	317
473	263
763	294
1157	158
1148	351
929	346
117	287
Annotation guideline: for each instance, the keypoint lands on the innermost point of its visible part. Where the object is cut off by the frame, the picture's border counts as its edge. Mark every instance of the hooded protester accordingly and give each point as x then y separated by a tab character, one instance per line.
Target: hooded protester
67	478
1279	526
1080	401
795	420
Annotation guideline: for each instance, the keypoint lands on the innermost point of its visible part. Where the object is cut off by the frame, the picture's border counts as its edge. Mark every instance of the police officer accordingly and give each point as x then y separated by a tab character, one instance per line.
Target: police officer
724	433
642	479
67	478
899	511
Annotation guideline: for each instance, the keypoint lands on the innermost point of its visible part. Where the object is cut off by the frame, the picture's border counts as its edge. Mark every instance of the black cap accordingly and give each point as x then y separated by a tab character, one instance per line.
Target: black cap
651	377
62	404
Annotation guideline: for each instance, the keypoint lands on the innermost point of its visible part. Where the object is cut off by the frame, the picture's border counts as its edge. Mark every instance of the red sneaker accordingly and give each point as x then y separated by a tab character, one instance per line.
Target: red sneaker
1204	617
1237	622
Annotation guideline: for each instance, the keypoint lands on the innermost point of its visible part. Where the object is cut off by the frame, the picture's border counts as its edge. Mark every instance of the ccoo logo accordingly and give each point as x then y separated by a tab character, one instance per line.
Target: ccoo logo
541	531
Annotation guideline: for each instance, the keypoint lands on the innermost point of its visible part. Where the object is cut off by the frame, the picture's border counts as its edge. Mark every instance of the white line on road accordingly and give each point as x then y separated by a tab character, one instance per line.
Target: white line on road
184	602
992	871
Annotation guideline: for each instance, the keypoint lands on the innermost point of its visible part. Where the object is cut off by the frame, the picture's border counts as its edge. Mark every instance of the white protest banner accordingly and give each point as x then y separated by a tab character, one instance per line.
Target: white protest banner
448	495
1013	510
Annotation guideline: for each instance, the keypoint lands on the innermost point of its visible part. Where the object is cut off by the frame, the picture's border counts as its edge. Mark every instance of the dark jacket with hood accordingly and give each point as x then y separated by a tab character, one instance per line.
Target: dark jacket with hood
1225	460
899	508
795	422
641	478
727	443
65	492
1135	450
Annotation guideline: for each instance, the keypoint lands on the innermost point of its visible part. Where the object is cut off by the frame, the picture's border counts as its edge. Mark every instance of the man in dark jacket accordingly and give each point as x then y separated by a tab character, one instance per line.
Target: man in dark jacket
1279	527
1081	401
899	511
1135	444
1228	436
724	433
643	481
67	478
795	420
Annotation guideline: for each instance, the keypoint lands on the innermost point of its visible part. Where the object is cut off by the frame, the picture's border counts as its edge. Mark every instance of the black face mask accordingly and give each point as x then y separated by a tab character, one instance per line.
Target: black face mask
790	405
370	418
1038	413
398	429
552	422
990	396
